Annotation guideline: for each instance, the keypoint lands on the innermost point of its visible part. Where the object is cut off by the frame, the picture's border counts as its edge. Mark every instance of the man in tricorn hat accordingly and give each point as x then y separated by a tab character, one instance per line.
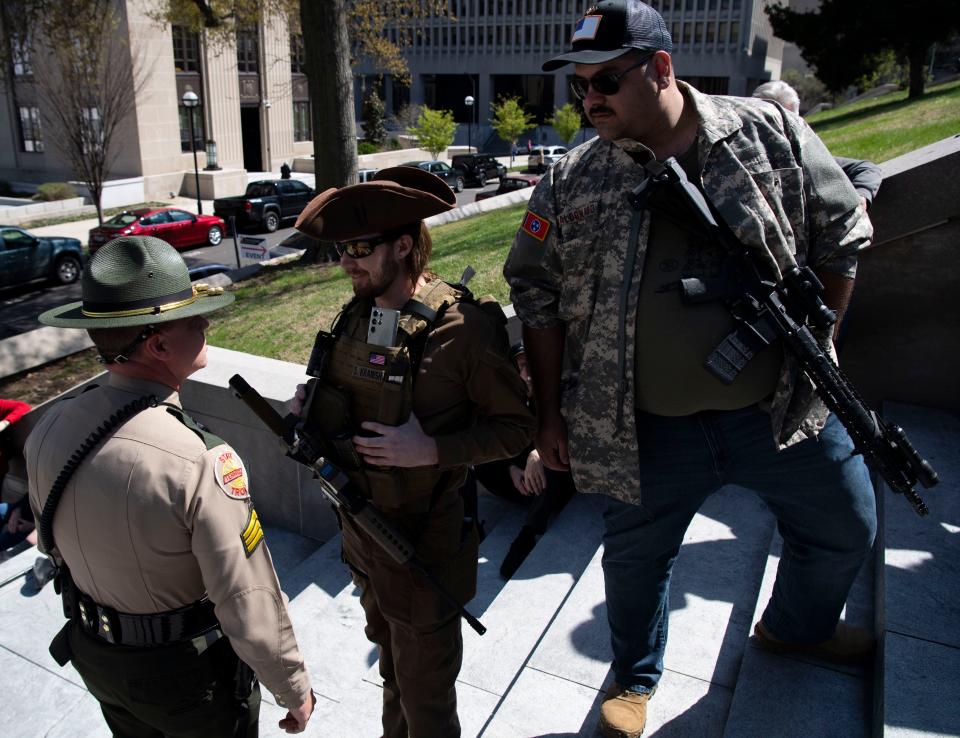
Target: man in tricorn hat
617	357
405	416
166	578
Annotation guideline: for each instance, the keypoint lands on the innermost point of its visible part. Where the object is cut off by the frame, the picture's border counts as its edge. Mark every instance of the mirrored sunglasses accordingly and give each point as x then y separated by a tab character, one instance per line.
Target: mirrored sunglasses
606	83
360	248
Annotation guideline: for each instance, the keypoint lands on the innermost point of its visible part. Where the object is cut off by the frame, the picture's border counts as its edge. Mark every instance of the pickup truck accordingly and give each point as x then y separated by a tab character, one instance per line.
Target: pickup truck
265	203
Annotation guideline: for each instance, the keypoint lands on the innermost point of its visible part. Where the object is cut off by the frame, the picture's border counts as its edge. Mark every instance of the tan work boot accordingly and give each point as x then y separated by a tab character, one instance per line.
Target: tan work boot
849	645
623	714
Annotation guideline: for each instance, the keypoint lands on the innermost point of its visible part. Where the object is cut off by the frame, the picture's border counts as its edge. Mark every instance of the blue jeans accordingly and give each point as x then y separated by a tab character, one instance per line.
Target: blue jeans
820	493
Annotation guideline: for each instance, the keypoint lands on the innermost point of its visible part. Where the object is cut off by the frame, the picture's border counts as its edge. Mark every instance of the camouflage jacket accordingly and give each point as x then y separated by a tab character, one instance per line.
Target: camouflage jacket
776	186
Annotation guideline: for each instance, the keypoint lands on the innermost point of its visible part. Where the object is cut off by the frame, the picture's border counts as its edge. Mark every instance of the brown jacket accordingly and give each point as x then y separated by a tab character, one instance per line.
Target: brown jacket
147	524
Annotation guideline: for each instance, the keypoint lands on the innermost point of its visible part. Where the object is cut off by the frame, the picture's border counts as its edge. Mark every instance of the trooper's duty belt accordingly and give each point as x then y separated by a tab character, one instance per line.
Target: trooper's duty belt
145	631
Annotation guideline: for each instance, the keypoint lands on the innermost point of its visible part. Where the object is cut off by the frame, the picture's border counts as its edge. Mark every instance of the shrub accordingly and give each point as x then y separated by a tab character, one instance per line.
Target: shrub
365	147
50	191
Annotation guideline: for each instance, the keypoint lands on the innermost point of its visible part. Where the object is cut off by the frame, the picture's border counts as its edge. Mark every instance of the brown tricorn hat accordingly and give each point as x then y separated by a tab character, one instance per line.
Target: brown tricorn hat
394	197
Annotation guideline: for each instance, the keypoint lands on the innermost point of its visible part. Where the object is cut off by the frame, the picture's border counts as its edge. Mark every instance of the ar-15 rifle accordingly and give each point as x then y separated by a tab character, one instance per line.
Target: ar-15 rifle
766	310
336	487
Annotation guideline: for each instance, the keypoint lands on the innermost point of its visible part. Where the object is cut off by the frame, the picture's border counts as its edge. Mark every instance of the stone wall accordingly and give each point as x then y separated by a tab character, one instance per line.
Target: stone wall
902	340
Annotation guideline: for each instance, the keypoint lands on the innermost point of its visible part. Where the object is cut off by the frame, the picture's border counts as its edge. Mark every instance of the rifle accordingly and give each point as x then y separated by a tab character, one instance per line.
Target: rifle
765	311
335	485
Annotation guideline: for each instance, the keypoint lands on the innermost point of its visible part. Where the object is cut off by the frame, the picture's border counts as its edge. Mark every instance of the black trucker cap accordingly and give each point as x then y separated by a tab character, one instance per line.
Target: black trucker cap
610	29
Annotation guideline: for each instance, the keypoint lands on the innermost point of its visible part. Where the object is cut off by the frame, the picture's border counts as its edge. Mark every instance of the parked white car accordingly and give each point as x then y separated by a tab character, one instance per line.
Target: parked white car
543	156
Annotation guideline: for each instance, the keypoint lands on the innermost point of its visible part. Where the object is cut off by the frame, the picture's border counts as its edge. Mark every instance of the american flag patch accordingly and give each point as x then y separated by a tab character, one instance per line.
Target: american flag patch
378	359
535	225
586	28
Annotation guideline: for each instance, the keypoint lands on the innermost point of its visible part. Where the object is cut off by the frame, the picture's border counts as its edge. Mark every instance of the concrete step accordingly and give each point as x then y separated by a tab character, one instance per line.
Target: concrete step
918	611
560	686
329	622
362	697
794	696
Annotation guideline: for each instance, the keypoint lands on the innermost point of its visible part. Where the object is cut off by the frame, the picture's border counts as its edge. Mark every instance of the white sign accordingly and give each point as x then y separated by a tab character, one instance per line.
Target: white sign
253	250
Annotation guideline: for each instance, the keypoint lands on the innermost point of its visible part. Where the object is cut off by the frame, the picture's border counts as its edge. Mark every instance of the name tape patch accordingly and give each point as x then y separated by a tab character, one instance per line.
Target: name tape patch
535	225
366	372
231	476
575	216
252	533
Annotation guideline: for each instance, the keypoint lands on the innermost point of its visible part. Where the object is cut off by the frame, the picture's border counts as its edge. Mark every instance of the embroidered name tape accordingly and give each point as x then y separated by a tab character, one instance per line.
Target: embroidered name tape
586	28
231	476
535	225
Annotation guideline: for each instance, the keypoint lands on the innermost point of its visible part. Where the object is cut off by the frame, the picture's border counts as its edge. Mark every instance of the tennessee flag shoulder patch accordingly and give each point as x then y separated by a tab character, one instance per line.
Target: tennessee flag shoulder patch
231	475
535	225
252	533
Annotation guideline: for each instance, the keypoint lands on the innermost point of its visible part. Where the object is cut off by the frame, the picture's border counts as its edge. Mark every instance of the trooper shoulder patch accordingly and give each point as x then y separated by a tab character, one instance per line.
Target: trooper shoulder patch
231	475
252	533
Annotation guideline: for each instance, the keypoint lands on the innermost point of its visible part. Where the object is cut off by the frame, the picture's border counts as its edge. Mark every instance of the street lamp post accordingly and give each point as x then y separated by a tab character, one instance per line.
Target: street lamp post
468	101
191	101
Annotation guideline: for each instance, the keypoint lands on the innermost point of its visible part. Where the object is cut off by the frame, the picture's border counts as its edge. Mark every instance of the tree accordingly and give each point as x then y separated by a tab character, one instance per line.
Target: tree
374	113
435	129
566	122
510	120
85	77
860	31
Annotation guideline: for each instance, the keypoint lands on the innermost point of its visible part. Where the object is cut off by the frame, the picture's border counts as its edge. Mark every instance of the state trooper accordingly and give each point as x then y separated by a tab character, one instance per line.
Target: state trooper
617	358
166	578
404	416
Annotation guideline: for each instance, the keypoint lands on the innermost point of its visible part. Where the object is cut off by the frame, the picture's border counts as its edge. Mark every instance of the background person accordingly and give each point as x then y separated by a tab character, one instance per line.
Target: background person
419	410
617	358
169	580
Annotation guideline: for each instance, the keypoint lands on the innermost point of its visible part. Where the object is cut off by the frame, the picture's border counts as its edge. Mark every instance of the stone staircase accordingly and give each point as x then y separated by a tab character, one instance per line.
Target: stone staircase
541	668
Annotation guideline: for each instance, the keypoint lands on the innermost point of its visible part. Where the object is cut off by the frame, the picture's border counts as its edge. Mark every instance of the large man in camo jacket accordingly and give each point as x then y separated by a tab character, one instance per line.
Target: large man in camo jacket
617	358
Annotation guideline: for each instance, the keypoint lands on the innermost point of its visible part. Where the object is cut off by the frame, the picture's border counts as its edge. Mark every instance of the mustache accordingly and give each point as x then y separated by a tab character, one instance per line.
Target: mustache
594	109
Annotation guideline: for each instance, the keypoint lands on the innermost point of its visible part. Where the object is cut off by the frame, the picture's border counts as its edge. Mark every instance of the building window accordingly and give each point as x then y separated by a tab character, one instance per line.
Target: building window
20	53
734	32
247	52
185	128
30	133
711	33
298	56
186	50
302	130
92	130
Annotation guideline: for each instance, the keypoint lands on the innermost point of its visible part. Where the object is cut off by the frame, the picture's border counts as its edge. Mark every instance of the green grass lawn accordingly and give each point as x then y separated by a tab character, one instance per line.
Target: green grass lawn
885	127
278	313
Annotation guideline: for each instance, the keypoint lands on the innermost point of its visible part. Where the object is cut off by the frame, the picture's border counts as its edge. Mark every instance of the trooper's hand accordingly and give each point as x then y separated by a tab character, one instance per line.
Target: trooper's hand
296	720
551	442
516	476
296	402
397	445
534	480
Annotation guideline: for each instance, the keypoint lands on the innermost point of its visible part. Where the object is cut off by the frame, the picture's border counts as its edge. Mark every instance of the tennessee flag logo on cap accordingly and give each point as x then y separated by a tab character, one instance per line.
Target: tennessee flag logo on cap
535	225
586	28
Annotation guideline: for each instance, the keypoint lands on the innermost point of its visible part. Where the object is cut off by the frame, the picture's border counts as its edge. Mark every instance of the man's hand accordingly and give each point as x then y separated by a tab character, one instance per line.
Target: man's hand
401	445
16	523
296	720
296	402
551	442
534	480
516	476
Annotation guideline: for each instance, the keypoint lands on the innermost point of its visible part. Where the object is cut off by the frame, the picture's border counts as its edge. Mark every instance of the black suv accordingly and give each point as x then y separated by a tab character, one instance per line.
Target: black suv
478	168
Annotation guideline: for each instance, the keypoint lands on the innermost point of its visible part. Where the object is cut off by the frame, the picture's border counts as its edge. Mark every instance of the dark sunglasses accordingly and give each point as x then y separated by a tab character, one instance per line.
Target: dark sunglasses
361	248
606	83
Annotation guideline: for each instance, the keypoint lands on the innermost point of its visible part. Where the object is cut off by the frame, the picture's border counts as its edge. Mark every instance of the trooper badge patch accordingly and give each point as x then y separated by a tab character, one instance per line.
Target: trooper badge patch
231	476
252	533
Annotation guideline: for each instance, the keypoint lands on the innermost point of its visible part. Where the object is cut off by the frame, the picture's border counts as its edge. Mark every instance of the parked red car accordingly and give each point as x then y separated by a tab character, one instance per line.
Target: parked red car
509	183
177	227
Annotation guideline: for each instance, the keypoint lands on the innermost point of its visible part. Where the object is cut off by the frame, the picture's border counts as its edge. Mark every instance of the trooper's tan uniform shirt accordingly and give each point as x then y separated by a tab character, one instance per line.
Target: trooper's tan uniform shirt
153	519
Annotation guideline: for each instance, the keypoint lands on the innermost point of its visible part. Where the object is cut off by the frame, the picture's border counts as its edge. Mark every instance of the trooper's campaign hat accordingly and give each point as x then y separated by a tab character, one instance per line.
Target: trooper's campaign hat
393	197
610	29
137	280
